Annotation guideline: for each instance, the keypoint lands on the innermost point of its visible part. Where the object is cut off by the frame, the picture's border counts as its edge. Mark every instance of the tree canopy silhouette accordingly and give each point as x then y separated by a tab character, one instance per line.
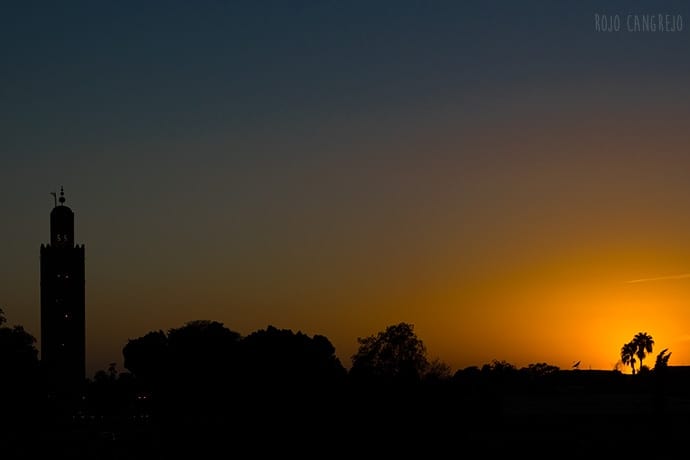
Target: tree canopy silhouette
203	349
205	362
641	344
281	356
147	357
18	354
193	365
662	358
644	343
628	355
395	354
19	371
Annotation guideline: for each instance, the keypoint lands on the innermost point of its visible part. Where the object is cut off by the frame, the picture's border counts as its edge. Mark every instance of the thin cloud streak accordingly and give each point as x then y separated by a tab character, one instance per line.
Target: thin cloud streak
661	278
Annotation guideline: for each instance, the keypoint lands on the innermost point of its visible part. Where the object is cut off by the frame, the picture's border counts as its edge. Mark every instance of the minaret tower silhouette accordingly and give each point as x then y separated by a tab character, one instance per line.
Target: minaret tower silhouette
63	326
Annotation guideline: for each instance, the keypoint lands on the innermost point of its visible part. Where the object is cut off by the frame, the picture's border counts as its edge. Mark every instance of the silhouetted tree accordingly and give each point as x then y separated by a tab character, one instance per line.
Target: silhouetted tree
203	354
147	358
499	372
662	360
395	354
540	369
661	376
628	355
469	383
283	357
499	367
472	373
538	376
109	376
190	367
110	392
19	372
617	367
18	354
643	370
437	371
644	343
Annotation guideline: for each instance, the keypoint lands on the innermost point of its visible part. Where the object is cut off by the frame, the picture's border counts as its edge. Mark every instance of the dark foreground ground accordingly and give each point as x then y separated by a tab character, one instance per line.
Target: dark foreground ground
382	423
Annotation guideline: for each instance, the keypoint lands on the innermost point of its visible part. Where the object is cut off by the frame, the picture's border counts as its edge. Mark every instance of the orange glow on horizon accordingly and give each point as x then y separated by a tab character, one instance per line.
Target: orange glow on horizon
579	309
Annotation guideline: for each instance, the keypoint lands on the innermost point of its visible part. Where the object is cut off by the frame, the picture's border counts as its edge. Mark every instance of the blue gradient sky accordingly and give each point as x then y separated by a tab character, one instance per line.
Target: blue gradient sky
492	172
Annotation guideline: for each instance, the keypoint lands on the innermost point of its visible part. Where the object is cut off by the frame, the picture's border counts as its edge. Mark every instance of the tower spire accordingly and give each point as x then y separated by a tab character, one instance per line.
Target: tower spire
62	287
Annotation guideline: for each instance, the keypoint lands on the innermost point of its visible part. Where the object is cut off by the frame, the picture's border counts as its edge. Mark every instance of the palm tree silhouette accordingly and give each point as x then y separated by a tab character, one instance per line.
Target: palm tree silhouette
628	355
644	343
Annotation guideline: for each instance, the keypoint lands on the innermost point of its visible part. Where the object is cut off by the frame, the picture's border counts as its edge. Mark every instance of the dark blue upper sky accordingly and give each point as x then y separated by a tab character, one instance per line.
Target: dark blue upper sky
81	73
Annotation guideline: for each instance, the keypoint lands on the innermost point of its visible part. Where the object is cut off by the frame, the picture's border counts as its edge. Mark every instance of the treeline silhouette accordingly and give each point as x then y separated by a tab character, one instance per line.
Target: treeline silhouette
202	387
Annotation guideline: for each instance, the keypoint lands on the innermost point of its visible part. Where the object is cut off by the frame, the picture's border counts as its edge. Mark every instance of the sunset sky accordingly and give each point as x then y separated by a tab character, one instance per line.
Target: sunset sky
501	175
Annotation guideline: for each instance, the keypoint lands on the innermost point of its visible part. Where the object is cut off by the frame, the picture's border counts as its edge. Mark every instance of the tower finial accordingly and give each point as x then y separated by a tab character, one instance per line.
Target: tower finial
62	195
